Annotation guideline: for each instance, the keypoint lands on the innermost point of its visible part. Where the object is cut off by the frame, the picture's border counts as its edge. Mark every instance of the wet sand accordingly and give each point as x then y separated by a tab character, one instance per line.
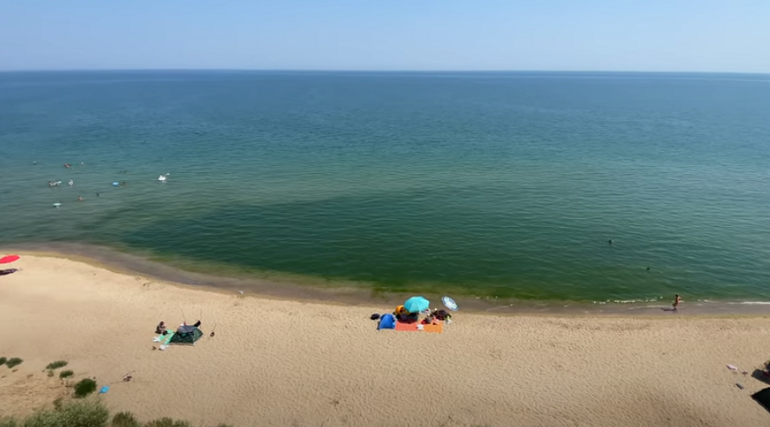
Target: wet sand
278	362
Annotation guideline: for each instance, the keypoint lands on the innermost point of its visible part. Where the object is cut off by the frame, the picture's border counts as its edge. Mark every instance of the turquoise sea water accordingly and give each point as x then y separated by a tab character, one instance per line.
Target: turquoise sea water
505	184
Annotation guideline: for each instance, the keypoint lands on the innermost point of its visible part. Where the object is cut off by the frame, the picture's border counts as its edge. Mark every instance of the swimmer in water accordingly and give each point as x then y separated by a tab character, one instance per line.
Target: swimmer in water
610	242
97	194
80	198
71	183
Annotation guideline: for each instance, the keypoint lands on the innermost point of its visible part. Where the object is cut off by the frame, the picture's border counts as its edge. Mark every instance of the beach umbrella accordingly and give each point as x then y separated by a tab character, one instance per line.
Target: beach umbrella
449	303
416	304
8	259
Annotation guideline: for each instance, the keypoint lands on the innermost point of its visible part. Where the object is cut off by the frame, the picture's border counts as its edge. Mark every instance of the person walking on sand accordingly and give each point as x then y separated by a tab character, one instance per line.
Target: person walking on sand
677	300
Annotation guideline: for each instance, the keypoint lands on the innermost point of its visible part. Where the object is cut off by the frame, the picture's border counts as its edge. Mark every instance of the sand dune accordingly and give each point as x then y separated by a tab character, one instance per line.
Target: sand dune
284	363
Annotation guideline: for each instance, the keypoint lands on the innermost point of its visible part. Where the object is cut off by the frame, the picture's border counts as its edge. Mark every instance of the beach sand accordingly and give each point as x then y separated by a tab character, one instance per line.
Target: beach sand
286	363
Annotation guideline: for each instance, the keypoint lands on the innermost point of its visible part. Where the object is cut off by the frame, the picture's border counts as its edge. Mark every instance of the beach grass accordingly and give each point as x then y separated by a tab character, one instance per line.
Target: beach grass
66	374
75	414
85	387
13	362
3	360
88	413
125	419
167	422
56	365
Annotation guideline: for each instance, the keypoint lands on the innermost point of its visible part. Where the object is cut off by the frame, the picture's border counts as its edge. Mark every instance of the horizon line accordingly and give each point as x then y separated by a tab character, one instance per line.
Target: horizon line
342	70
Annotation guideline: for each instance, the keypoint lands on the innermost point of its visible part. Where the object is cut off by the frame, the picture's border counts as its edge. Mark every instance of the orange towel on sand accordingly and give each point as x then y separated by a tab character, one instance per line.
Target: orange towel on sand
413	327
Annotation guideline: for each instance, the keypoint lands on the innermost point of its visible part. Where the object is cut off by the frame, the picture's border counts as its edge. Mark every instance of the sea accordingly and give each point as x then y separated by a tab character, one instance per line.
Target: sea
601	188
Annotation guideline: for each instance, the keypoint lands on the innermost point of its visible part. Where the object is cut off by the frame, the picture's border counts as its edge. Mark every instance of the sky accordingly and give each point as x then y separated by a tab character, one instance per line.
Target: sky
555	35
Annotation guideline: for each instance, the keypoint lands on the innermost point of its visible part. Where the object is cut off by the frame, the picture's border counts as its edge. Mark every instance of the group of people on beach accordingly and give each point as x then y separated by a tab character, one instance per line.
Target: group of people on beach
403	315
162	330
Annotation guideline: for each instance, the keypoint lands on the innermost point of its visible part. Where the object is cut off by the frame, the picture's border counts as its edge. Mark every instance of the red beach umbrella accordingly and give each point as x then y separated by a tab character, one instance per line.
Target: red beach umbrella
8	259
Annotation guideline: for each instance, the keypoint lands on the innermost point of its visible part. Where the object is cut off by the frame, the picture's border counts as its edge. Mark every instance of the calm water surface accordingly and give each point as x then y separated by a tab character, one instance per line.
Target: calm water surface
504	184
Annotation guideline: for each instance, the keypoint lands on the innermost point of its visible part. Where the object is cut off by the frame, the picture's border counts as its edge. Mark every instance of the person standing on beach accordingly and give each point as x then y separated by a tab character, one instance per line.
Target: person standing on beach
677	300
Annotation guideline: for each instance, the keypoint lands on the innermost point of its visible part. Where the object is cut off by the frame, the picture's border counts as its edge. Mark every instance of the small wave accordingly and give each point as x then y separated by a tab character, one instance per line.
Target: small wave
752	302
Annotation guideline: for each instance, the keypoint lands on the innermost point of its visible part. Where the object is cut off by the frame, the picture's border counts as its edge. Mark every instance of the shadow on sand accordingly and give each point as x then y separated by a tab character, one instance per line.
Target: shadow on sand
760	375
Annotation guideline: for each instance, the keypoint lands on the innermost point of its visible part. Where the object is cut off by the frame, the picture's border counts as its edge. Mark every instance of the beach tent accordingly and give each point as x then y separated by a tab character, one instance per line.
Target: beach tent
763	398
186	334
387	321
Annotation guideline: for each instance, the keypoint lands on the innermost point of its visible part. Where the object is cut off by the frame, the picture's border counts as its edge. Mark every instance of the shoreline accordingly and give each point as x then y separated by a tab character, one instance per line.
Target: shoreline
347	294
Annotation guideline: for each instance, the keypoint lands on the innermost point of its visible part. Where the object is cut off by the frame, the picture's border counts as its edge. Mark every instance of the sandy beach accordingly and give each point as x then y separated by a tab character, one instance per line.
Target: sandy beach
286	363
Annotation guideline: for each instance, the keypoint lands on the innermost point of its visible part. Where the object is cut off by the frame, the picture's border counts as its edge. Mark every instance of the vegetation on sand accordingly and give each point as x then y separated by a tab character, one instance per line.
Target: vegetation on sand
85	387
13	362
56	365
125	419
3	360
87	413
75	414
66	374
167	422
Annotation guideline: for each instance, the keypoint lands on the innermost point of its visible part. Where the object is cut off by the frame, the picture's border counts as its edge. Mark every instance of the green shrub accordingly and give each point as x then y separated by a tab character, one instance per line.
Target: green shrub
87	413
56	365
85	387
167	422
66	374
13	362
76	414
125	419
3	360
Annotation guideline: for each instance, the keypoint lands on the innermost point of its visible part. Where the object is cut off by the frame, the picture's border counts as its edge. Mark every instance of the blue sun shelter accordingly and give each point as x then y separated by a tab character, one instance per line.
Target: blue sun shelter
416	304
387	321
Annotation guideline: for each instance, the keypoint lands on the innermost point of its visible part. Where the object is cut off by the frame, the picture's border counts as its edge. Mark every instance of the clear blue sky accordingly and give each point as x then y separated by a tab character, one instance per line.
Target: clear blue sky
610	35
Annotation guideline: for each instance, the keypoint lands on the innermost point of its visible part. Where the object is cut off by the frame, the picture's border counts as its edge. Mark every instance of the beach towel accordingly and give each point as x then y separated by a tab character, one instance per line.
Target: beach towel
163	340
419	327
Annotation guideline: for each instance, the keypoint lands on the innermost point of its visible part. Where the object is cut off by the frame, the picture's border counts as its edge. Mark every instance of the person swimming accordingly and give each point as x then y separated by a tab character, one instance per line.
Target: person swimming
71	182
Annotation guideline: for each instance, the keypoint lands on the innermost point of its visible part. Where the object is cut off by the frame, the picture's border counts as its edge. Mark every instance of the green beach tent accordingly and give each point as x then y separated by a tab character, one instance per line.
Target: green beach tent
186	334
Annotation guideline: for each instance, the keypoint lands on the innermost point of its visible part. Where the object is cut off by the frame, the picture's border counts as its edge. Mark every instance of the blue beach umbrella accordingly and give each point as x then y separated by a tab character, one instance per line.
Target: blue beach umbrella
416	304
